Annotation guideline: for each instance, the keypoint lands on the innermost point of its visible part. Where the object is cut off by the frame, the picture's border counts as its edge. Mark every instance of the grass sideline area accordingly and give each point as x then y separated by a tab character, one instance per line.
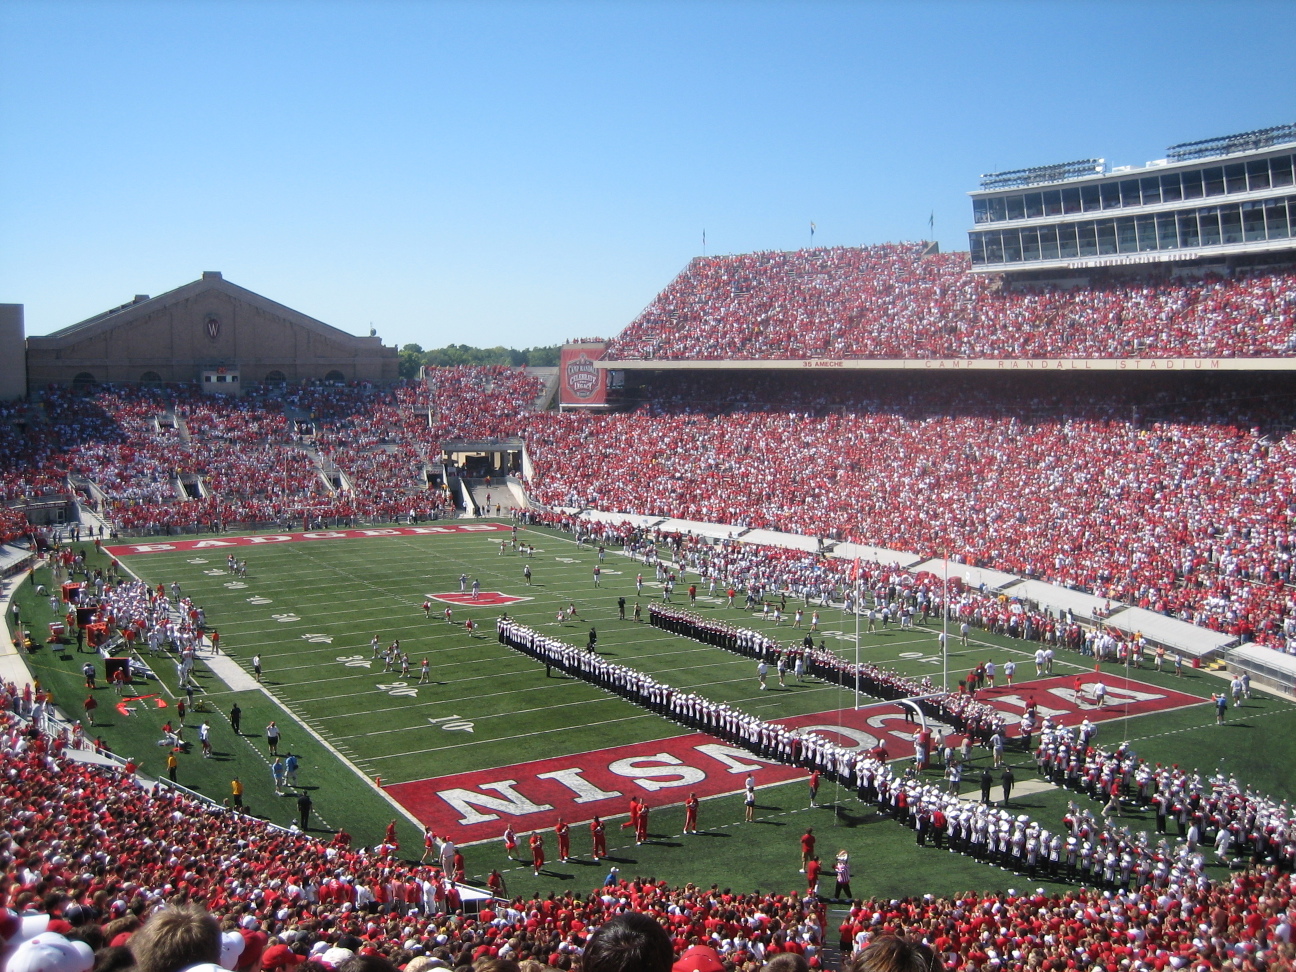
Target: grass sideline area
310	609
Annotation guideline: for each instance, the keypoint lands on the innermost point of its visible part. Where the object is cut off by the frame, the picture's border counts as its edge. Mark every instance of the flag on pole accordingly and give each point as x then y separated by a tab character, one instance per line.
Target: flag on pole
855	571
931	222
704	241
812	228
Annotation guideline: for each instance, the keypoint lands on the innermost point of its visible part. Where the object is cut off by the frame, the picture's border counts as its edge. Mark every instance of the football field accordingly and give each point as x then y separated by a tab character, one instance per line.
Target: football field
488	738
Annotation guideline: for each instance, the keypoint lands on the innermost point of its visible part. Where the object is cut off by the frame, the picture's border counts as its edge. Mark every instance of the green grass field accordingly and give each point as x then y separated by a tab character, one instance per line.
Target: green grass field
310	610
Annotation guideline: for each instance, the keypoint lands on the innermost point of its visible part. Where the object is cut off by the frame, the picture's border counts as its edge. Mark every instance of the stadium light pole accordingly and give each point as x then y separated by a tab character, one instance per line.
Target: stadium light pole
1129	653
945	629
856	608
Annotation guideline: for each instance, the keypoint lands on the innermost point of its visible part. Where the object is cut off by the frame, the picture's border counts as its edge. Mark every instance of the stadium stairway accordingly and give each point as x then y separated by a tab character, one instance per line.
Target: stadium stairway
830	956
549	376
499	493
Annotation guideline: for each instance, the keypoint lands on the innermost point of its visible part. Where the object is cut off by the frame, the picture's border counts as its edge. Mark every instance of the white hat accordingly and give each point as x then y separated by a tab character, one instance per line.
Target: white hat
232	945
50	952
336	956
33	925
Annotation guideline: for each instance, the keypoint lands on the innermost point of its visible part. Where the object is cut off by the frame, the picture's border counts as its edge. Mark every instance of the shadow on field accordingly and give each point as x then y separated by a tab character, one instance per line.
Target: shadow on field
854	819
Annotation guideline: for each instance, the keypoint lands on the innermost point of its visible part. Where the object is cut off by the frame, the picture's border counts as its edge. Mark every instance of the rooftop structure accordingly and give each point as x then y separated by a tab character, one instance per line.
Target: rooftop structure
1211	201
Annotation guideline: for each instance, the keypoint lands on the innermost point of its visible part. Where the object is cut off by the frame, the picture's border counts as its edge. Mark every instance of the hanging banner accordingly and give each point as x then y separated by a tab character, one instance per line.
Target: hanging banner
582	383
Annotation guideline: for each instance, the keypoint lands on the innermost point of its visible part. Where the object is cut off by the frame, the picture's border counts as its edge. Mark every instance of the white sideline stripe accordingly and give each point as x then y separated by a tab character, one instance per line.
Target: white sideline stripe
230	672
301	723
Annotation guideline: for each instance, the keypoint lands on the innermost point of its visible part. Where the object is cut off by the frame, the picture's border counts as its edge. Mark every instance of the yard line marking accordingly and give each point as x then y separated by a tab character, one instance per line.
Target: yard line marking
304	724
521	735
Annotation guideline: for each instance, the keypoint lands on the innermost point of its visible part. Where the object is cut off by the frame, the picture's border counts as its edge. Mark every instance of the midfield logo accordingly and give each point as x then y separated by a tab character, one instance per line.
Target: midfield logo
484	598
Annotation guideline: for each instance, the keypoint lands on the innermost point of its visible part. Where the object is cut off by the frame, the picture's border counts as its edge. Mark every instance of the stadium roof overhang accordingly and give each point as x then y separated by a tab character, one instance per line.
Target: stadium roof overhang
1144	363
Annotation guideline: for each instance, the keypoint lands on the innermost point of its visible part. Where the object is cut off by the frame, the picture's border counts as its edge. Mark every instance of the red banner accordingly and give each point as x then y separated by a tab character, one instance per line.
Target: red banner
477	806
581	382
214	543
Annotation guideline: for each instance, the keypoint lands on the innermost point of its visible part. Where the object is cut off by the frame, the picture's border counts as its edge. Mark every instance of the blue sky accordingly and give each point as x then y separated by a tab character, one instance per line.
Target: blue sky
523	173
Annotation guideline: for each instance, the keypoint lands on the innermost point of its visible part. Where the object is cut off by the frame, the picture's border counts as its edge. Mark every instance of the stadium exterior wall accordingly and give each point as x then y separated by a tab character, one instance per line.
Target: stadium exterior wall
13	360
207	324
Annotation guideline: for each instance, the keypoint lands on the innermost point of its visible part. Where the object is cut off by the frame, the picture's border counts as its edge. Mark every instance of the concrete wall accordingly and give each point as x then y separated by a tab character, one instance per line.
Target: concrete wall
13	357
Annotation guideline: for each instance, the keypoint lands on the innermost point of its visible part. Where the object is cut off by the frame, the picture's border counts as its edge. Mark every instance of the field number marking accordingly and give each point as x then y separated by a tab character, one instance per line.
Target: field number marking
452	723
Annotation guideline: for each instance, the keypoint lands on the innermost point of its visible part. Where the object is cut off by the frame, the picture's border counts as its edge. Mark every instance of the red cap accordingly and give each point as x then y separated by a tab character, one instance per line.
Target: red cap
255	943
699	958
279	957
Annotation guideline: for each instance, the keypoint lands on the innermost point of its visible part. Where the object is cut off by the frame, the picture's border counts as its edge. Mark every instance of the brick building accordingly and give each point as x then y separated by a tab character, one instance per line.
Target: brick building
209	331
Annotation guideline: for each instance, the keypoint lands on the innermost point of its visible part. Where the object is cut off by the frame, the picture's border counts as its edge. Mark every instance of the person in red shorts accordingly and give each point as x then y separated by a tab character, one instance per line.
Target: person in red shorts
564	839
634	815
537	852
812	869
807	847
641	823
429	844
690	814
598	834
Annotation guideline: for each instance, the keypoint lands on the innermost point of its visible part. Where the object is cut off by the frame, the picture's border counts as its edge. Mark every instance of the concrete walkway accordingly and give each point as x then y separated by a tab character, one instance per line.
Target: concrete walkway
13	662
1022	789
230	672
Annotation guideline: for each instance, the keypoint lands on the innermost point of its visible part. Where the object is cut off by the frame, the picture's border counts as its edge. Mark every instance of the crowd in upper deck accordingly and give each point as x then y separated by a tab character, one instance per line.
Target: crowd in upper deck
890	301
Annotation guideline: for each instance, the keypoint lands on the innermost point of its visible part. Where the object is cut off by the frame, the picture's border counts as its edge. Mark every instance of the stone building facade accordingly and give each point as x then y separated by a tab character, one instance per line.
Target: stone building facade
209	331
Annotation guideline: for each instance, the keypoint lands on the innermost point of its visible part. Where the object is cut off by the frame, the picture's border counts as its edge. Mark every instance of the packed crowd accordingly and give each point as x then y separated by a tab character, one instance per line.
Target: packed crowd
98	853
1182	513
161	459
891	301
1177	506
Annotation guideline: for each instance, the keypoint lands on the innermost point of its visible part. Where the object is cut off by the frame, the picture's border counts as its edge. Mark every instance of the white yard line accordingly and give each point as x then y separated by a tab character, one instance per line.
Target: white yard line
302	723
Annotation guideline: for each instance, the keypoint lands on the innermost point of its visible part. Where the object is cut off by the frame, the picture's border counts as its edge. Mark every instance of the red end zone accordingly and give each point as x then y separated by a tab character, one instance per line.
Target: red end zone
127	549
478	806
